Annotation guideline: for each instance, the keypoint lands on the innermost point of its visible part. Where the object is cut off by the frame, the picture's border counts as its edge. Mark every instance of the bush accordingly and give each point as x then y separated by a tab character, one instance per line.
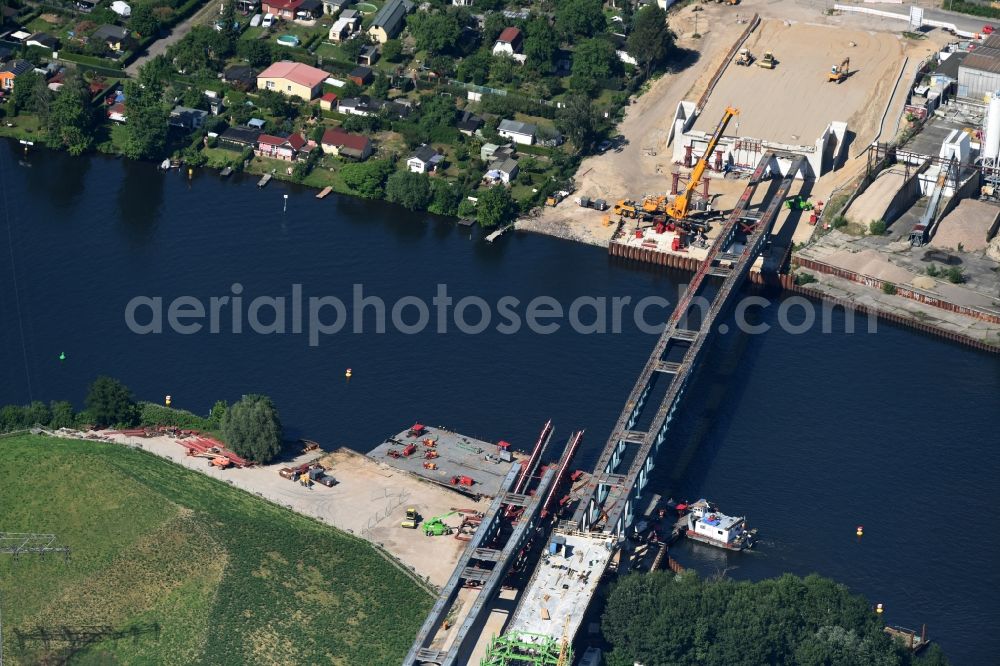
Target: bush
877	227
805	278
838	222
152	414
252	428
933	271
954	275
110	403
889	288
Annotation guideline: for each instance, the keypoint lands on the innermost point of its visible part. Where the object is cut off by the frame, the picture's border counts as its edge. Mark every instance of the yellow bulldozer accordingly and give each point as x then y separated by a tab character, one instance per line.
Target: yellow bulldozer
768	61
626	208
840	72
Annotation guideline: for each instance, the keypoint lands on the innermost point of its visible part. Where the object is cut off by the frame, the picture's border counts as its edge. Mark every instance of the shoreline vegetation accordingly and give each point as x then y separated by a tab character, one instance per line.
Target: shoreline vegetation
473	112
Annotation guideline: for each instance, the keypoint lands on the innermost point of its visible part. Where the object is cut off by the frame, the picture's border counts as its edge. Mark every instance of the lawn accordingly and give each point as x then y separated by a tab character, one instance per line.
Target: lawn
202	572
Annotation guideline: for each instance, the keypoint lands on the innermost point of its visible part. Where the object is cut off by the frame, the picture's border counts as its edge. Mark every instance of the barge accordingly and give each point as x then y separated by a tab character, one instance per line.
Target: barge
705	523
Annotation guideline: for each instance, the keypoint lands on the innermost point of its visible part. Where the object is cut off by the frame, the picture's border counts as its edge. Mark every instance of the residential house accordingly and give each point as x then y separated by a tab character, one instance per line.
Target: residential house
345	26
336	141
424	160
508	43
359	106
389	20
186	117
240	137
86	6
461	3
280	147
247	7
11	70
369	54
468	124
361	75
491	152
57	81
504	170
116	112
43	40
114	37
331	7
517	131
309	10
281	8
328	101
240	76
293	79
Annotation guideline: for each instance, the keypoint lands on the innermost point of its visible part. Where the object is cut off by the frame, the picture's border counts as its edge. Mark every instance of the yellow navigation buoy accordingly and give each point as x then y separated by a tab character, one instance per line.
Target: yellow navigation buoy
348	373
190	173
861	530
878	608
166	401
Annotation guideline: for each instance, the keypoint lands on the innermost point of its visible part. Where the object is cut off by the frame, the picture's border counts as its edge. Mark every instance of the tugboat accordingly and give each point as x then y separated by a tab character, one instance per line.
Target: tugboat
705	523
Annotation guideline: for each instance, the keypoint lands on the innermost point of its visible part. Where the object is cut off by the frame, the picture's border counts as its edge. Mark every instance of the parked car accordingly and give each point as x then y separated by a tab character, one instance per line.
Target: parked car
255	21
603	146
327	481
268	21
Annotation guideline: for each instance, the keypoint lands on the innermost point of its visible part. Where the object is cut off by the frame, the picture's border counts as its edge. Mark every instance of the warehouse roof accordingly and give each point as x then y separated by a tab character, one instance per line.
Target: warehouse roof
983	59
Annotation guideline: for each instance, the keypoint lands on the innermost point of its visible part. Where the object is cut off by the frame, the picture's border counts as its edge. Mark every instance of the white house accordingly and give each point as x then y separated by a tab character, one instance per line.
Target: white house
504	170
424	160
121	8
508	43
517	131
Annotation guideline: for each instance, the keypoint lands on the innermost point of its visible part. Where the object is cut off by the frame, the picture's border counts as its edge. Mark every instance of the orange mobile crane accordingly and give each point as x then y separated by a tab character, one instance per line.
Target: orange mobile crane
679	207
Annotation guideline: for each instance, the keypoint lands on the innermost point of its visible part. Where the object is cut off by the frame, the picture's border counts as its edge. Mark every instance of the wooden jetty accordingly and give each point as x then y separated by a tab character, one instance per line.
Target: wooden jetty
226	172
264	181
500	232
325	191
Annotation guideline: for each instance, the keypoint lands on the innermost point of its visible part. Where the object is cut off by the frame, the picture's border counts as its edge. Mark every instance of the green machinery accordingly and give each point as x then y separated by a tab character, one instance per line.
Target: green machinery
798	203
435	526
521	648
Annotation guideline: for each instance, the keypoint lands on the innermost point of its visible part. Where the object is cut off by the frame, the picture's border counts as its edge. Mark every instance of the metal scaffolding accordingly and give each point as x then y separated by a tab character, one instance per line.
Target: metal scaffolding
521	648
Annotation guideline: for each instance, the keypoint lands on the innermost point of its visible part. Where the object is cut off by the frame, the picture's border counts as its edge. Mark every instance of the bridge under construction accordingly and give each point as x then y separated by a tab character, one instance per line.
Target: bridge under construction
550	610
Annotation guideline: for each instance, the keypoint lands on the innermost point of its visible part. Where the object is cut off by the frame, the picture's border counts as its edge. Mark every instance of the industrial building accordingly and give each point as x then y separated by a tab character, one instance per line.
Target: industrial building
979	72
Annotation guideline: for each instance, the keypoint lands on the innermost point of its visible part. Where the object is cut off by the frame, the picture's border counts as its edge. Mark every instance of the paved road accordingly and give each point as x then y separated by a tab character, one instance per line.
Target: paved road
180	30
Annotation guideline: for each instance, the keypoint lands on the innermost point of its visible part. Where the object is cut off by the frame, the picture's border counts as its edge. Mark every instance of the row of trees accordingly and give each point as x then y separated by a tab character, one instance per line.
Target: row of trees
808	621
251	427
66	117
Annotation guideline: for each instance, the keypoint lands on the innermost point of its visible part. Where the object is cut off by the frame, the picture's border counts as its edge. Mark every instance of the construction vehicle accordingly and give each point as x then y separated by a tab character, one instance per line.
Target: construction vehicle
680	206
412	518
596	204
435	526
768	61
840	72
745	58
626	208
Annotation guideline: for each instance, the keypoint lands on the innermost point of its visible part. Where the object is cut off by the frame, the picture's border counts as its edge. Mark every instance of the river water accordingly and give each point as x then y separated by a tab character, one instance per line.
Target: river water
808	434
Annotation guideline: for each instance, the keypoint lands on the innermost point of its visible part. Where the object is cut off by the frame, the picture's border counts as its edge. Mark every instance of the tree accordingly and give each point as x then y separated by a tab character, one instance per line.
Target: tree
651	41
352	48
495	207
24	95
475	68
218	413
593	60
492	27
580	18
435	32
392	50
71	119
788	620
578	120
257	52
62	415
410	190
367	178
252	429
37	413
143	20
540	46
110	403
445	197
145	115
503	68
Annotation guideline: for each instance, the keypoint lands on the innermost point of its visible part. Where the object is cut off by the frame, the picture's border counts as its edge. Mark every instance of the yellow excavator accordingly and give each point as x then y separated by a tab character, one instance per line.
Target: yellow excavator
840	72
680	206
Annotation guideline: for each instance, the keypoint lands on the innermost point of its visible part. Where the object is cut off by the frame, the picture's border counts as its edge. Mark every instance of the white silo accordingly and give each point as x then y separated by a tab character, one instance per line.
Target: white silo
991	136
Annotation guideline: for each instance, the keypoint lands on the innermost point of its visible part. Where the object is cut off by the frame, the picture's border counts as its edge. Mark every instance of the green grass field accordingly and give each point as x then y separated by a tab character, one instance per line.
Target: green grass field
210	574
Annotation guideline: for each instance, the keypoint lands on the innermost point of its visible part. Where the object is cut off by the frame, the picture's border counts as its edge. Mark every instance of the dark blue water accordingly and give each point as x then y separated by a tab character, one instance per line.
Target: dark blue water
810	435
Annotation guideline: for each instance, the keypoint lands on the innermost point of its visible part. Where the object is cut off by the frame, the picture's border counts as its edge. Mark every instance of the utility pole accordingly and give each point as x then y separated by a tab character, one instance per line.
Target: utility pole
26	543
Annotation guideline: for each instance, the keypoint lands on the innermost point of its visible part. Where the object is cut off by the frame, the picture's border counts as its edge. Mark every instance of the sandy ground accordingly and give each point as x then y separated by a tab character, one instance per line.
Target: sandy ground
873	202
799	101
636	170
967	226
369	501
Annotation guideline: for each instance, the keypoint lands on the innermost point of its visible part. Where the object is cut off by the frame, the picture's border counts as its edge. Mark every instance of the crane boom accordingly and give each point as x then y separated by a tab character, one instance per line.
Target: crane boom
678	210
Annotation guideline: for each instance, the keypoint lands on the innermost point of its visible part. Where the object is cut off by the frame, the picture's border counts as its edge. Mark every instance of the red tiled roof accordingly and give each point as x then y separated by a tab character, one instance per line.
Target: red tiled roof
270	140
329	97
283	5
296	72
296	141
509	35
338	137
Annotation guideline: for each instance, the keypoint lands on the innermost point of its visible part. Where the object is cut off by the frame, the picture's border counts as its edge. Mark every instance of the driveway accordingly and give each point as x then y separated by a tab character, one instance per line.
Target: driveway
160	46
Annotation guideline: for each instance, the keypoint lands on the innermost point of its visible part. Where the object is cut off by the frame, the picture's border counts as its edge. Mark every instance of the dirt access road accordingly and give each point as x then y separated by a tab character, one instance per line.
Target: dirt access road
160	46
643	165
